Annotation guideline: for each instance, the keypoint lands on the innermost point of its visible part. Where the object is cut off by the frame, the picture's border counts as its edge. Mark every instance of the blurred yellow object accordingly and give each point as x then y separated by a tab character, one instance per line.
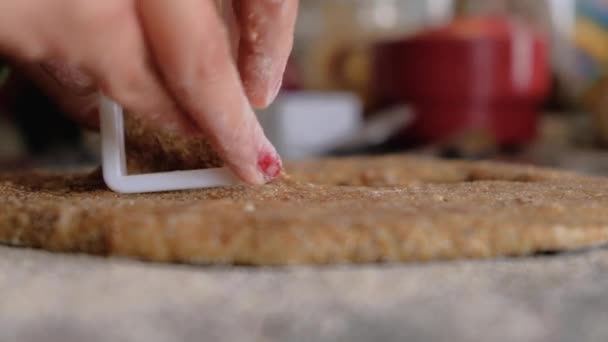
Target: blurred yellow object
334	46
590	44
592	38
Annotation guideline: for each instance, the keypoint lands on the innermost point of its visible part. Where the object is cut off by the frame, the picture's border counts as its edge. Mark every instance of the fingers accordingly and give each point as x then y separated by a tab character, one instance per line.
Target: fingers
117	58
190	46
155	57
267	28
104	39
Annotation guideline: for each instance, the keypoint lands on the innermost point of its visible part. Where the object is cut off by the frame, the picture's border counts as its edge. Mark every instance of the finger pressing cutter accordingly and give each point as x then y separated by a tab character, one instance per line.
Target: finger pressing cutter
114	162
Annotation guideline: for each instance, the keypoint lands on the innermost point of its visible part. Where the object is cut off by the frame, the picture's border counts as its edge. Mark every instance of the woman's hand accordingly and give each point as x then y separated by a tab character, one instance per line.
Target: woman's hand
170	61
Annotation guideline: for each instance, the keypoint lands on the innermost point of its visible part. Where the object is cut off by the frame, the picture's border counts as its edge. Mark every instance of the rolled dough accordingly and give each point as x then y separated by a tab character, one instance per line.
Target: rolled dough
152	150
358	210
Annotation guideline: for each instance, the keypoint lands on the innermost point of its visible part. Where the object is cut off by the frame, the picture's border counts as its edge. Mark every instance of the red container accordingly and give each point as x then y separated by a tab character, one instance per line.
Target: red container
477	73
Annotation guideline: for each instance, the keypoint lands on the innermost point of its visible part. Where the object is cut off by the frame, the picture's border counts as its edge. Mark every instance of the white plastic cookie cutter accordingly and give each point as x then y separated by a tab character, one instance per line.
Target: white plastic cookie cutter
114	162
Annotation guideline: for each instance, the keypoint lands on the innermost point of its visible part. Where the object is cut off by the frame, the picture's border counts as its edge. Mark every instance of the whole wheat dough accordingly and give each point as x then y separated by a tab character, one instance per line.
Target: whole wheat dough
329	211
153	150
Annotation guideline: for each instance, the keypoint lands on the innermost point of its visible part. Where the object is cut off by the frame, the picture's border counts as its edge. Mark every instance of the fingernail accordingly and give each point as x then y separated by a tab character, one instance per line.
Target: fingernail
269	163
274	91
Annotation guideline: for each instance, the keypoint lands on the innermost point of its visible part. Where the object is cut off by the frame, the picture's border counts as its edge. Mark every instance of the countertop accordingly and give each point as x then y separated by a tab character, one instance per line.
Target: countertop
61	297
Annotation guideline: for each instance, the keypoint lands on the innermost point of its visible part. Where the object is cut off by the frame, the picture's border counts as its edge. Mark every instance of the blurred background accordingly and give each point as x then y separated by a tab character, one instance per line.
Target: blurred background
511	80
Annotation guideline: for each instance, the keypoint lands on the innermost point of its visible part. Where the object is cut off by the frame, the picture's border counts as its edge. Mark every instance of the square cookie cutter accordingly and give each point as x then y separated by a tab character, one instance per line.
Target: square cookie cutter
114	162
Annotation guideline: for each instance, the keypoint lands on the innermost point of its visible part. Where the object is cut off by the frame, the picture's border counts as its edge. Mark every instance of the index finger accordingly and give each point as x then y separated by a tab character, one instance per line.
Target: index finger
191	49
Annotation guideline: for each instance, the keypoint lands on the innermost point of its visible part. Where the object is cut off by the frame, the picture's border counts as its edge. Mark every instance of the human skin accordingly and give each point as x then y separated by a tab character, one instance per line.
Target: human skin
185	66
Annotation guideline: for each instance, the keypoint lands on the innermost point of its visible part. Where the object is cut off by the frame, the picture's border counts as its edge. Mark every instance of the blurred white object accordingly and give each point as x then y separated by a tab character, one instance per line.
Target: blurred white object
439	12
379	128
304	124
114	162
563	21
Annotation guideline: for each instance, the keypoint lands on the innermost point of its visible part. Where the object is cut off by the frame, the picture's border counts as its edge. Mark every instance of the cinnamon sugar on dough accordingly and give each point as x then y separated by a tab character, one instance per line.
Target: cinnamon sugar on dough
152	150
388	209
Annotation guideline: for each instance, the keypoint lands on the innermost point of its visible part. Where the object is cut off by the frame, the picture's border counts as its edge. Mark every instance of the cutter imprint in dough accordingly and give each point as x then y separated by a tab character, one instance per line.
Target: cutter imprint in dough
387	209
